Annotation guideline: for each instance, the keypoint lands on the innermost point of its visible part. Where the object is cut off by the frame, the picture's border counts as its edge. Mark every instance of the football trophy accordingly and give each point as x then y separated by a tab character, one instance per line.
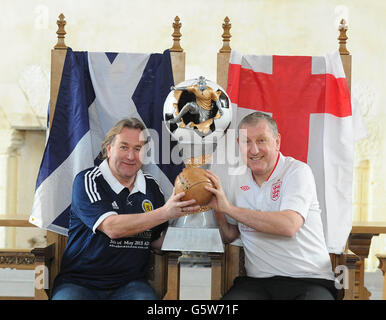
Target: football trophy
197	113
193	181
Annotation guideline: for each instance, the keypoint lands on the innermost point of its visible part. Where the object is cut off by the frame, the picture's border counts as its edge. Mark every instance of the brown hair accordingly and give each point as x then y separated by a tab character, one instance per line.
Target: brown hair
131	123
257	116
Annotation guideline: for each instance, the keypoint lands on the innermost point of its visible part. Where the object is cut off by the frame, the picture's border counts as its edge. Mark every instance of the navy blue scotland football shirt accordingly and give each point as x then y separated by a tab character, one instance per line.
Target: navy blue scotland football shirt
91	258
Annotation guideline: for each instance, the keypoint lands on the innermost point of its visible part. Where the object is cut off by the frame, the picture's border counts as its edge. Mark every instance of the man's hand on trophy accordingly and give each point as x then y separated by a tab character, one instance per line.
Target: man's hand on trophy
219	202
175	208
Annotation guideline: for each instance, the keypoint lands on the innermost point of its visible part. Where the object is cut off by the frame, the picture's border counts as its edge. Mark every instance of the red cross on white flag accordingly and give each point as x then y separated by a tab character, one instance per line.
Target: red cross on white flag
309	99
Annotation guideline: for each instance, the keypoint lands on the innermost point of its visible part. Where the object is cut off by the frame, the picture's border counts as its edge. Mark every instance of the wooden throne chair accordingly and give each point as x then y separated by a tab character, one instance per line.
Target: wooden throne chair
157	274
225	267
50	256
233	263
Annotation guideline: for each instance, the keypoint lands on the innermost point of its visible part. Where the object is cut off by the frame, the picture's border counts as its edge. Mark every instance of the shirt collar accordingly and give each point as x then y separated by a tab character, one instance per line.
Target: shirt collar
139	184
276	169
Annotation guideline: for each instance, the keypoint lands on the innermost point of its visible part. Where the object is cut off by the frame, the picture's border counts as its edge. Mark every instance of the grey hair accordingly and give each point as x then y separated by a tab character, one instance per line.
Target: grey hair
131	123
257	116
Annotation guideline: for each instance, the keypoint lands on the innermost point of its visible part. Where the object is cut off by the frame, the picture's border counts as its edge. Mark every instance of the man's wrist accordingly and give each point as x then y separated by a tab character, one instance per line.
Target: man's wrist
162	213
228	209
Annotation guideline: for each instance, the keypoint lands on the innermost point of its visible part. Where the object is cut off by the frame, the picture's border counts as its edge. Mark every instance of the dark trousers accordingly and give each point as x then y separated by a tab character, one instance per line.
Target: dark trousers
281	288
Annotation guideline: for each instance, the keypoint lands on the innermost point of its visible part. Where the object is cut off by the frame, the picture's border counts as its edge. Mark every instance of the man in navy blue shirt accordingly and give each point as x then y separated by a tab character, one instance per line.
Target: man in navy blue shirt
117	213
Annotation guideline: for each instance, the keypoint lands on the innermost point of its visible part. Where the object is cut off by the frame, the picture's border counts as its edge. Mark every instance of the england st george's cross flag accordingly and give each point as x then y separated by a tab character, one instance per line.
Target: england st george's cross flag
97	90
310	101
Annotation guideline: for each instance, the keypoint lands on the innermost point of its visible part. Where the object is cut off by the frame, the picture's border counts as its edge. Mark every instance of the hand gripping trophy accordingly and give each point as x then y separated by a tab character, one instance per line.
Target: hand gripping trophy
197	113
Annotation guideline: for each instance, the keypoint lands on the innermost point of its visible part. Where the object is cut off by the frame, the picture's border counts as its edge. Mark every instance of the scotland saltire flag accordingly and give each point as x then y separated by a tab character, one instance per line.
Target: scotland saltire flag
96	91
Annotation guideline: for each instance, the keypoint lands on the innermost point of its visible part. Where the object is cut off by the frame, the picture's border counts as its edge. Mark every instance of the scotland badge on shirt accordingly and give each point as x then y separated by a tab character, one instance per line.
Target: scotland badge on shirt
147	205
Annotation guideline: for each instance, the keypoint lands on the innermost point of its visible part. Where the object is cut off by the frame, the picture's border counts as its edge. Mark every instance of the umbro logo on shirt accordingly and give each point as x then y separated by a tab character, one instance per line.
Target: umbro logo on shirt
245	188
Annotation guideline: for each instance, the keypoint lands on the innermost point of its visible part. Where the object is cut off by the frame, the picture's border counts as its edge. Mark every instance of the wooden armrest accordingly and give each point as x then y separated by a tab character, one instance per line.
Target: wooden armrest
26	259
13	251
40	254
347	258
351	258
17	258
10	221
158	252
44	254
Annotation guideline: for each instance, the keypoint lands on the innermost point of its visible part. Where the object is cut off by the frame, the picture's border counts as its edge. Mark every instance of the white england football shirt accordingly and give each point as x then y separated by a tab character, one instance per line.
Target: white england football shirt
290	186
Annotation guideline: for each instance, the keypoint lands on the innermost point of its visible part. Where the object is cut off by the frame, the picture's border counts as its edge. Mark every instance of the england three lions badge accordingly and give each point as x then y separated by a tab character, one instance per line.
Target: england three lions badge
275	190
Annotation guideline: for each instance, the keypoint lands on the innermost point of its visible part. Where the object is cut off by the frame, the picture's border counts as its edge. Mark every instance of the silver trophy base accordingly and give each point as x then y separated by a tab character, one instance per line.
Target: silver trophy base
193	240
194	233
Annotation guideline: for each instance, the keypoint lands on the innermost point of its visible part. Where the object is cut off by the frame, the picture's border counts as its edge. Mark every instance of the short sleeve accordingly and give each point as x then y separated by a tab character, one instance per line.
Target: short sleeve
299	190
89	203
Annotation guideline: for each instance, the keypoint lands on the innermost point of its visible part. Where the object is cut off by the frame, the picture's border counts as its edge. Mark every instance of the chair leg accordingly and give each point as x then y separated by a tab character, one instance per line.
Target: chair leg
216	276
173	289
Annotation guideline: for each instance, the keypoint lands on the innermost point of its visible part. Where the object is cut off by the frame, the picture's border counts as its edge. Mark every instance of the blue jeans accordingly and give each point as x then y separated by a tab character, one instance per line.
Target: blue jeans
134	290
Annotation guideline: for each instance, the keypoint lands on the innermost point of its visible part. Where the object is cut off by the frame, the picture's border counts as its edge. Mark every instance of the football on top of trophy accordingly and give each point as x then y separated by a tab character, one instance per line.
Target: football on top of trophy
192	181
197	111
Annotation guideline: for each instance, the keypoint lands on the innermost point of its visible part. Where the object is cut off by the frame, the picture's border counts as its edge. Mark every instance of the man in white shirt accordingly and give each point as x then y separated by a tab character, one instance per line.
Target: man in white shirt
277	216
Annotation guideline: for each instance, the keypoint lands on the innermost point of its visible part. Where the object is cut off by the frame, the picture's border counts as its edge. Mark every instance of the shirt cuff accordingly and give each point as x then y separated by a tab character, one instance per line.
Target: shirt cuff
101	218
